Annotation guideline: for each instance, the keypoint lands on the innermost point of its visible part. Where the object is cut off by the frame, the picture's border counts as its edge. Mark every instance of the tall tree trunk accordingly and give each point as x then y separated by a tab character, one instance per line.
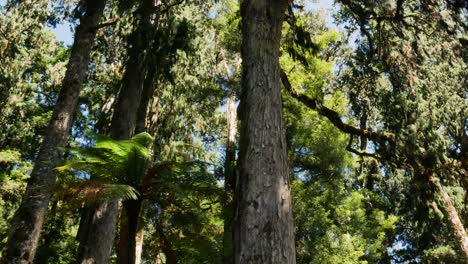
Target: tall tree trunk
139	245
122	127
128	231
96	233
129	224
28	220
230	181
265	225
148	91
451	213
230	176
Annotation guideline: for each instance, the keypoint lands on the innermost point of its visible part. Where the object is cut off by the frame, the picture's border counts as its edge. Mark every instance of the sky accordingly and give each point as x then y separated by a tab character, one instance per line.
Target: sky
64	32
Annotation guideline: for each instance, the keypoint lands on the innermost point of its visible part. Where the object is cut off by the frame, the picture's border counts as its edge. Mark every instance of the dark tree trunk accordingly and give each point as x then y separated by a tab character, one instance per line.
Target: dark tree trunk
96	233
148	91
128	231
264	228
28	220
122	127
131	209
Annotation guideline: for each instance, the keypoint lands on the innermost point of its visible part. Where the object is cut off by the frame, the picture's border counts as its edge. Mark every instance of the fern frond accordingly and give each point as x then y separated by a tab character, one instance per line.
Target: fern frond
118	191
87	191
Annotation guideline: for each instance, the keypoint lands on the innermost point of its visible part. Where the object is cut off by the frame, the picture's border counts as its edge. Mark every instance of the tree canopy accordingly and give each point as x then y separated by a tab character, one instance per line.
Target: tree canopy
250	131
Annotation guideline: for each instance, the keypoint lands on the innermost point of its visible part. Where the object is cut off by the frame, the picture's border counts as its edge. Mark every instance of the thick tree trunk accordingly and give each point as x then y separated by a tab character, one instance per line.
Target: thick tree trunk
452	216
122	127
264	230
28	220
96	233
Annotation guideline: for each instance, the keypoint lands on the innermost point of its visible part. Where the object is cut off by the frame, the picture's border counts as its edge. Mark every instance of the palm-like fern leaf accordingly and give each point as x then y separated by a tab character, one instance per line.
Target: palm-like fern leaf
120	163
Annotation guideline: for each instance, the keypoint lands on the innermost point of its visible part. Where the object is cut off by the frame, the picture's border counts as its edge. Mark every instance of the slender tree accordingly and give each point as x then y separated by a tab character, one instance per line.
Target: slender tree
264	228
230	178
27	223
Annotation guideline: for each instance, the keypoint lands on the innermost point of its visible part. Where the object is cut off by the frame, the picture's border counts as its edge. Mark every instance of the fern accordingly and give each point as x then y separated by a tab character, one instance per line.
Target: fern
115	165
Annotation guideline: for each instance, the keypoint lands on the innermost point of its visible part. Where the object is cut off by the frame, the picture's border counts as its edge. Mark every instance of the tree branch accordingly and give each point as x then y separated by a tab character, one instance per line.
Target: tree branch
360	153
106	24
334	117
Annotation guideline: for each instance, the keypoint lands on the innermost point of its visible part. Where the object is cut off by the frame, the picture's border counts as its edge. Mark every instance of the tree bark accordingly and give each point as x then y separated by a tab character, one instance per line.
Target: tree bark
96	233
452	216
28	220
148	91
139	245
129	218
264	228
128	231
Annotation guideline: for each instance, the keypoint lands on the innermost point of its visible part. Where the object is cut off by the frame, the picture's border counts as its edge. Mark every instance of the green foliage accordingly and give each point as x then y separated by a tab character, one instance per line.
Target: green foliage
122	163
407	76
403	73
31	69
58	242
336	220
13	176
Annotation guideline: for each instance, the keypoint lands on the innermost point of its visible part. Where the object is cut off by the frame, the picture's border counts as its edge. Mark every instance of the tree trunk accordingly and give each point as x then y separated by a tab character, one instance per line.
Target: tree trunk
96	233
264	229
129	218
452	216
28	220
139	245
128	231
122	127
230	180
148	91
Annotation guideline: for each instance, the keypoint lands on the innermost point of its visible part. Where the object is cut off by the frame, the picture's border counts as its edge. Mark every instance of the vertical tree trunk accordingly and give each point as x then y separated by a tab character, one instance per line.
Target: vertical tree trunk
148	90
139	245
129	218
96	233
128	231
452	216
28	220
265	225
122	127
230	181
230	178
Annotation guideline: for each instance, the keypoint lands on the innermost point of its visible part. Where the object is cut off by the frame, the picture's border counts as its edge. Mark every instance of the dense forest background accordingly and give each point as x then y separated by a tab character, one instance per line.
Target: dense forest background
156	135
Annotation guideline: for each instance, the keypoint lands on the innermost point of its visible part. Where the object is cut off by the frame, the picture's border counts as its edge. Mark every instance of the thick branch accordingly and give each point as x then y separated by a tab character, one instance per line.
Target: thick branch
334	117
106	24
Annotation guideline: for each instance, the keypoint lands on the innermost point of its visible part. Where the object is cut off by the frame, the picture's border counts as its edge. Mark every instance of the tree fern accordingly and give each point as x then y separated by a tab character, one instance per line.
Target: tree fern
115	165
